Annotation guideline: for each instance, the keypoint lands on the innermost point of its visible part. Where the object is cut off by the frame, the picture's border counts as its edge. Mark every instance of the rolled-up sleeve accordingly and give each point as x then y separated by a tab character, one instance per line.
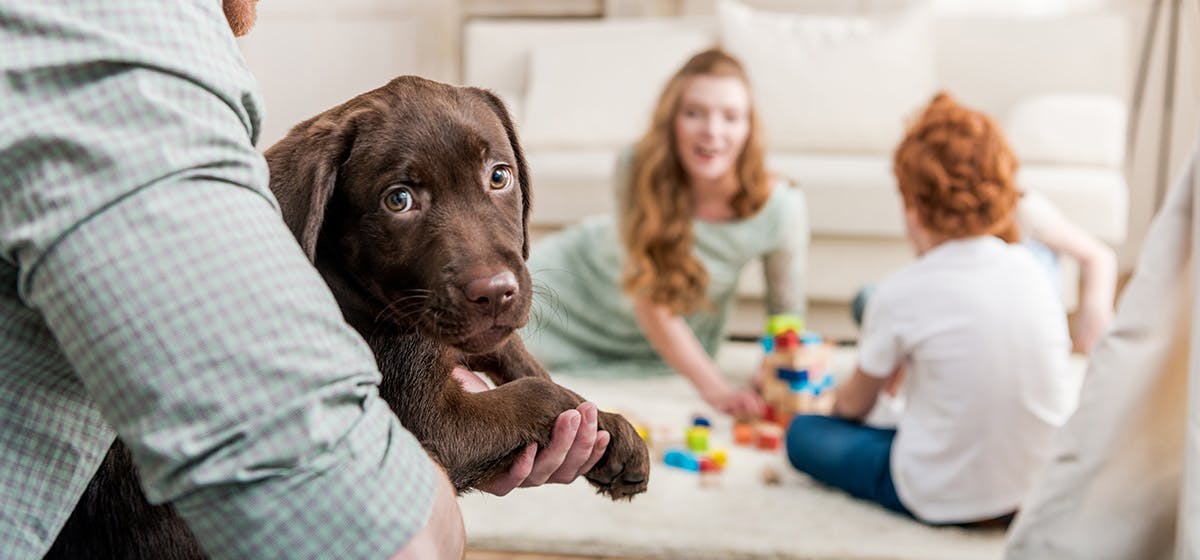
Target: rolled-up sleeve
136	212
222	360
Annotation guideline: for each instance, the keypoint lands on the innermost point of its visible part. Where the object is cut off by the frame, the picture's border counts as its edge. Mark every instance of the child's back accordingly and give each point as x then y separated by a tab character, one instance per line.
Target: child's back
985	345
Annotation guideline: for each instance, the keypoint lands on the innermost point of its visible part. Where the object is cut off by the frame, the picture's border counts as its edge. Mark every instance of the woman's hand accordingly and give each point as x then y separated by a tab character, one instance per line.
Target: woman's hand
737	403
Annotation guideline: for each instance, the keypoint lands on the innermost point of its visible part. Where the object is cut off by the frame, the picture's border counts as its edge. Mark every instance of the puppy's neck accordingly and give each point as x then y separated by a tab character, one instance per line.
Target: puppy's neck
359	309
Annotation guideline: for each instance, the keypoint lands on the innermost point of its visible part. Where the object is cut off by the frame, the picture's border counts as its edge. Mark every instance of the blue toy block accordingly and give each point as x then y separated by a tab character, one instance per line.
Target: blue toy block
682	460
789	375
811	338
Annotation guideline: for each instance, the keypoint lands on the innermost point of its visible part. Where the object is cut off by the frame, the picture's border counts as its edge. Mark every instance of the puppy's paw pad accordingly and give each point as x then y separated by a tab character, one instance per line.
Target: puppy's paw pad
624	471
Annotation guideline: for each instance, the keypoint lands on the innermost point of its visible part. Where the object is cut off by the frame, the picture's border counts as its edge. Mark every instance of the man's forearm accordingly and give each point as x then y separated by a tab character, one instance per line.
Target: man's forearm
443	537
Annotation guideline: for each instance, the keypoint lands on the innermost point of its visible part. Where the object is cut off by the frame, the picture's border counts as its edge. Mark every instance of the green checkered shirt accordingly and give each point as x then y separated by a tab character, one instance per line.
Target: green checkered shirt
148	285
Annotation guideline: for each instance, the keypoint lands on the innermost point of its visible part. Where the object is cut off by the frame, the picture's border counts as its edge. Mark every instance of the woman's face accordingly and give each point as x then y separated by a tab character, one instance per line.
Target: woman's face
712	126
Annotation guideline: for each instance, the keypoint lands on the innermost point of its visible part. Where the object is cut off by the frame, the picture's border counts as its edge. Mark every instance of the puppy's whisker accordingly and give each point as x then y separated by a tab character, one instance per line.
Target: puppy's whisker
437	323
544	292
411	301
401	314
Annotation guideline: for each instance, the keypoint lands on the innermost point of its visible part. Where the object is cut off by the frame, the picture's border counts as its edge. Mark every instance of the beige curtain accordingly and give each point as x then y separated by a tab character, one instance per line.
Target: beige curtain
1123	481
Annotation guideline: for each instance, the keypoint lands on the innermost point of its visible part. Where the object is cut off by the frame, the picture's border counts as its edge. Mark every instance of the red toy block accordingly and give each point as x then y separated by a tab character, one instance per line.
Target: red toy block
770	437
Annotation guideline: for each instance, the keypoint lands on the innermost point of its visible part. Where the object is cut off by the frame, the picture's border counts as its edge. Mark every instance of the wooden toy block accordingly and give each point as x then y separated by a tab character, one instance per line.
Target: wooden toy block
720	457
743	434
697	438
770	437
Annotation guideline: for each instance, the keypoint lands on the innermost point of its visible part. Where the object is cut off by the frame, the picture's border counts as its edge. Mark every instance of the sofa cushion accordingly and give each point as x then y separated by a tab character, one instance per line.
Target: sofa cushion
848	196
1081	128
1094	198
994	62
569	185
840	266
591	94
832	83
856	196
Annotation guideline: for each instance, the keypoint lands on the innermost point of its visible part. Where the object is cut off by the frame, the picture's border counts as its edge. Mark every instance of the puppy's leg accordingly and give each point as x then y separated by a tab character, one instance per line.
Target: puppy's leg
476	436
624	468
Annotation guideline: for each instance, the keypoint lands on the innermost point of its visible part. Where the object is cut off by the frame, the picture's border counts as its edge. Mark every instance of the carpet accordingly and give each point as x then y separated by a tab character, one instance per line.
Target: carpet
734	515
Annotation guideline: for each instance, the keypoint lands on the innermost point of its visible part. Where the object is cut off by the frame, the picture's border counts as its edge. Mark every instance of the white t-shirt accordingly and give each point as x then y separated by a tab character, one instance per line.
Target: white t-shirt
985	344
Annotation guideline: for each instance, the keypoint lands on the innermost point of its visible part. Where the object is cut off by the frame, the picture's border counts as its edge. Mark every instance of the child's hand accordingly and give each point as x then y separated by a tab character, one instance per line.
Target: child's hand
894	382
1089	325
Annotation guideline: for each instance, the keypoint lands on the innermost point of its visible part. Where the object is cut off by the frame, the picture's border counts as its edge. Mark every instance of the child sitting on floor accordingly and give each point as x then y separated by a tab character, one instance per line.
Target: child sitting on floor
975	326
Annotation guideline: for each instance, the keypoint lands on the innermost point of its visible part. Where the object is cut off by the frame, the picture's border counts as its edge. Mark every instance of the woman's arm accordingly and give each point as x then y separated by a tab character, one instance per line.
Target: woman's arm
1097	262
677	345
785	267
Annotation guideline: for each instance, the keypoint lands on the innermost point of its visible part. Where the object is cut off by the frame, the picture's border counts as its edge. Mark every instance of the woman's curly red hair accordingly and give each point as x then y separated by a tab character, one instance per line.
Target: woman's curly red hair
956	169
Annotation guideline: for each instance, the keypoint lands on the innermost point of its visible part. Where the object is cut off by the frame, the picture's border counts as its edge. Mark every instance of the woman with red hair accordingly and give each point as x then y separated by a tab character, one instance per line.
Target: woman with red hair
976	328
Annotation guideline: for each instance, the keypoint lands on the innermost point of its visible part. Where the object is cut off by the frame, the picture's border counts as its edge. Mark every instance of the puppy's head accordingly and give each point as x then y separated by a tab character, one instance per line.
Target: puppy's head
413	201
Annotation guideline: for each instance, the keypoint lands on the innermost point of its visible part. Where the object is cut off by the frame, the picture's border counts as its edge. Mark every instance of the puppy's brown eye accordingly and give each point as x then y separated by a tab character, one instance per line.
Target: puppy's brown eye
398	200
501	177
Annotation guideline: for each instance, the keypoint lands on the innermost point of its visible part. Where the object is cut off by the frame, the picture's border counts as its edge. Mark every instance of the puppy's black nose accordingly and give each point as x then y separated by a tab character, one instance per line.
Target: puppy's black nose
493	293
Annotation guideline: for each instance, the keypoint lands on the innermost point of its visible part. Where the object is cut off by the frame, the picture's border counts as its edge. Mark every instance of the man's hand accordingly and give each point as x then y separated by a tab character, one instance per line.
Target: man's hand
575	446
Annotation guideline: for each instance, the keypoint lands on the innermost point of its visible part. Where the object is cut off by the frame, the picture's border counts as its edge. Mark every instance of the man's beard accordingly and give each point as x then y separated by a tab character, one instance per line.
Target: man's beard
240	14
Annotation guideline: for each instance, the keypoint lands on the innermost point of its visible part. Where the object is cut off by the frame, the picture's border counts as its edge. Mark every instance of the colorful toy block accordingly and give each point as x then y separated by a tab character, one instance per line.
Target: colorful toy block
682	460
697	438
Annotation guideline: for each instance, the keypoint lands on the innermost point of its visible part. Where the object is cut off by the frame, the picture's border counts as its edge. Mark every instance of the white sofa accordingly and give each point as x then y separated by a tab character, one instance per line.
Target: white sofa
833	92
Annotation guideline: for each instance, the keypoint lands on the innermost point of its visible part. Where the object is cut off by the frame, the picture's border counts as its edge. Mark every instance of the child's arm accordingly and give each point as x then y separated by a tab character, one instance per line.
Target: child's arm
1097	262
677	345
856	397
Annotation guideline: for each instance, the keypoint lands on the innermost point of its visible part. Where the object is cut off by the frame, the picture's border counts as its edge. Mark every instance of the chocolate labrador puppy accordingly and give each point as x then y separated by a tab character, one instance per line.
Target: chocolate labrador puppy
412	200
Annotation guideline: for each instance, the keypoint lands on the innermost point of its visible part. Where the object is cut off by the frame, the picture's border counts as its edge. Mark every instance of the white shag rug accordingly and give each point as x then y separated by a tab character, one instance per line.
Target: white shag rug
734	515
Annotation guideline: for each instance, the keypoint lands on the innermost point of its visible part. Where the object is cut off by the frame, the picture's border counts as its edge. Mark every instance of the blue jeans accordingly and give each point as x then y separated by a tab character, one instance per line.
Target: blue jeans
845	455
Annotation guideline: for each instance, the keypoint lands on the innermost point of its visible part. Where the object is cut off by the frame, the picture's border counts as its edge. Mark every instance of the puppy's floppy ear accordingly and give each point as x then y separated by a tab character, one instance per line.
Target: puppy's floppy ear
501	111
304	167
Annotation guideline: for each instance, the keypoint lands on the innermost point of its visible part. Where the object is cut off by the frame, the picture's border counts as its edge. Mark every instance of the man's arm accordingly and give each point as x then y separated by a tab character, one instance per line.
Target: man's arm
215	350
443	537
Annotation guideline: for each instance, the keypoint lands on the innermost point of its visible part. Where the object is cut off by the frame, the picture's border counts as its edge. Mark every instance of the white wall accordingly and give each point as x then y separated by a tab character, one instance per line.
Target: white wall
310	55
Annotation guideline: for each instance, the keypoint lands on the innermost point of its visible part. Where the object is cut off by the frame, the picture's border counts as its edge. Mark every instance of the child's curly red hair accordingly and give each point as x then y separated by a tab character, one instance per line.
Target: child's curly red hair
956	169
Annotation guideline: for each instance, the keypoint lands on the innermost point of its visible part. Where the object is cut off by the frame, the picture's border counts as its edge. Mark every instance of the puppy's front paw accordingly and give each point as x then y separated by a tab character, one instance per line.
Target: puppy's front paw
624	469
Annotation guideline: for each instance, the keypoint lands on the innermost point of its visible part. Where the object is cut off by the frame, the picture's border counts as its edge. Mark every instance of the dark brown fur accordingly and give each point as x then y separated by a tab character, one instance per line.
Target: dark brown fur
428	289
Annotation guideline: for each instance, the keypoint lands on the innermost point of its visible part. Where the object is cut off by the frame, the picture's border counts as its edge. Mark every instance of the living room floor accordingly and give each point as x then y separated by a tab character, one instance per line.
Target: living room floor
498	555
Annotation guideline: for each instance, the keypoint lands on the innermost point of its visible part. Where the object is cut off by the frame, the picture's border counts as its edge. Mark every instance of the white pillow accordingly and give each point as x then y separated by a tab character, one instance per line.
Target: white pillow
601	94
1079	128
832	83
